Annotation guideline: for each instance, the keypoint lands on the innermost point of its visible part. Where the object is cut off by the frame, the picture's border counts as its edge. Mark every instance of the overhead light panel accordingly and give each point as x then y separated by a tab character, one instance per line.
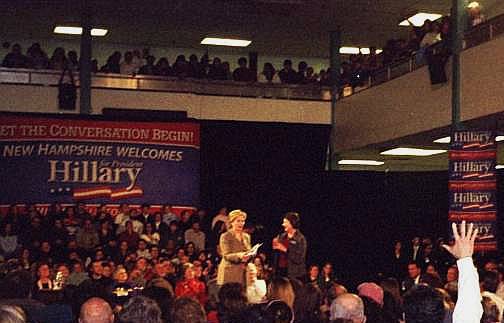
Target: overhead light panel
360	162
499	138
349	50
405	151
69	30
226	42
444	140
499	166
418	19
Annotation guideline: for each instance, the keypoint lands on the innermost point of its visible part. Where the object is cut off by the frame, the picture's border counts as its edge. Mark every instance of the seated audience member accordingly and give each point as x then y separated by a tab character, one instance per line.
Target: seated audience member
312	277
8	241
140	309
37	57
414	275
73	60
371	291
301	73
163	67
256	288
181	67
187	310
189	286
222	216
489	281
128	67
268	75
232	301
15	59
490	311
348	307
287	74
163	297
432	36
96	310
12	314
242	73
307	304
280	288
149	68
44	282
196	236
326	277
475	16
58	59
423	303
216	71
277	311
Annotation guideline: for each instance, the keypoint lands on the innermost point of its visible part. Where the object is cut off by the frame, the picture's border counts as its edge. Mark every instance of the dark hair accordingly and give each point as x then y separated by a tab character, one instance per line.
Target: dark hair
490	281
242	60
187	310
164	299
232	300
140	309
279	312
423	304
307	303
293	218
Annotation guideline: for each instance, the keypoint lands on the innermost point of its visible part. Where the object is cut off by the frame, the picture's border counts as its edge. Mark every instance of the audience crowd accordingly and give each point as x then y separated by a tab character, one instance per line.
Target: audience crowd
354	72
156	266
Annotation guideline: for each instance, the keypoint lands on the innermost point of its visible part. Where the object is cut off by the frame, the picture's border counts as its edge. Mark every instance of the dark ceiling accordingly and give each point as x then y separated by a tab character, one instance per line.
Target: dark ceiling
276	27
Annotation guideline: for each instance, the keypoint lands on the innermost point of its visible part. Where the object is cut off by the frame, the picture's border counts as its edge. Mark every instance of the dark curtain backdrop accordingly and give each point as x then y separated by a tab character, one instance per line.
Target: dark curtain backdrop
349	218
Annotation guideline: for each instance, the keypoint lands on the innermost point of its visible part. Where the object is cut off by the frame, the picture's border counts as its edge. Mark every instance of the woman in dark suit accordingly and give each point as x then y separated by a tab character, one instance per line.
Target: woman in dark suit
233	246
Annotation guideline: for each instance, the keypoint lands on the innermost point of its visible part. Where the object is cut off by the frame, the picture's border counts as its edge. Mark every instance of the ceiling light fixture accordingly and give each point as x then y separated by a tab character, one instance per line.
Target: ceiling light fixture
418	19
360	162
349	50
225	42
499	166
499	138
72	30
405	151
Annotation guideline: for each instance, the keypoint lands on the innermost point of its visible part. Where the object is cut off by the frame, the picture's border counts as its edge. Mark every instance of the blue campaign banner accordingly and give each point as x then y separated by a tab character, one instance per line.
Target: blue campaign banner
473	184
45	160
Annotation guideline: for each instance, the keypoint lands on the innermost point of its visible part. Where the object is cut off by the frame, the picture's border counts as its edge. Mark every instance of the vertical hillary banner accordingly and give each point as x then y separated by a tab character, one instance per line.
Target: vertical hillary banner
47	160
473	184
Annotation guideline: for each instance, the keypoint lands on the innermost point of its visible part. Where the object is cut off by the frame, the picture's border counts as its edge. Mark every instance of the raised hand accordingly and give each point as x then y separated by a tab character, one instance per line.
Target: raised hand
464	242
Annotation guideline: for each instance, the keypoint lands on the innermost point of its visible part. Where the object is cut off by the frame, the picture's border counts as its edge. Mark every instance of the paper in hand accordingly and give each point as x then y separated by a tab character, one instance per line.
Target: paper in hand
253	251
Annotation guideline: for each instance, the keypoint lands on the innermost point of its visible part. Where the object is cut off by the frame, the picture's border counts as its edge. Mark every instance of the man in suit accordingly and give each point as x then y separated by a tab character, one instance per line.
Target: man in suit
414	276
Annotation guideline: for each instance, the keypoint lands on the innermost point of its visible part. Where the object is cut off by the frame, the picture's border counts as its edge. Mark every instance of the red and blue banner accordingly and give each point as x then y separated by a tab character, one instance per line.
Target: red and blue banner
473	184
45	160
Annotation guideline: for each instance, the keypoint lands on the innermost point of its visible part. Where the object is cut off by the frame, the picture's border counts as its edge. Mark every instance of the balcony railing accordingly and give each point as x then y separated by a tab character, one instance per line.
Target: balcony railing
480	34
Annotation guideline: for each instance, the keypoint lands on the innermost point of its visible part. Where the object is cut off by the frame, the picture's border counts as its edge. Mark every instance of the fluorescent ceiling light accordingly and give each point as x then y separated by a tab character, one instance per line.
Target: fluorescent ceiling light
444	140
499	166
360	162
349	50
98	32
499	138
404	151
365	51
378	51
226	42
419	19
69	30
